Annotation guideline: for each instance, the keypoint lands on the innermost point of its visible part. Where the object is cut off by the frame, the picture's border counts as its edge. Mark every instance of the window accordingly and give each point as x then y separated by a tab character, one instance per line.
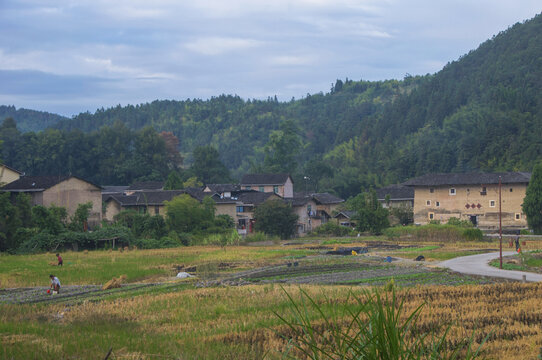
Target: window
437	203
431	216
261	189
518	216
248	187
491	203
511	189
240	209
276	189
428	203
484	191
452	191
431	190
157	210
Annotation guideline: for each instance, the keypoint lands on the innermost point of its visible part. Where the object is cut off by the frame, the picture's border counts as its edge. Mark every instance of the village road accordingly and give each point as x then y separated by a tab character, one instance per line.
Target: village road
478	265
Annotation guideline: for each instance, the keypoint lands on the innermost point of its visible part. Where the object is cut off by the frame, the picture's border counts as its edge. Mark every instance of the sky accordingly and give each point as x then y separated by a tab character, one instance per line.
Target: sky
72	56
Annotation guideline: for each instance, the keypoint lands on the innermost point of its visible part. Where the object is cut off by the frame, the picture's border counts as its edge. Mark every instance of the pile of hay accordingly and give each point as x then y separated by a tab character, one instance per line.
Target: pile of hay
114	283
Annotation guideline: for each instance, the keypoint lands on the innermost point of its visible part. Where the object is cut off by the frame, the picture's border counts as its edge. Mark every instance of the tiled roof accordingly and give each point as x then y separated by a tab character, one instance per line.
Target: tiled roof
221	188
346	213
147	185
157	197
396	192
39	183
254	197
301	198
113	189
469	179
264	179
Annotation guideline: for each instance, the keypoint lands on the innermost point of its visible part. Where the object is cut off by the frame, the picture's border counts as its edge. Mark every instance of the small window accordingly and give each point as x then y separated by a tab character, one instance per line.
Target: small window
491	203
431	190
511	189
428	203
240	209
431	216
248	187
157	210
276	189
261	189
437	203
518	216
452	191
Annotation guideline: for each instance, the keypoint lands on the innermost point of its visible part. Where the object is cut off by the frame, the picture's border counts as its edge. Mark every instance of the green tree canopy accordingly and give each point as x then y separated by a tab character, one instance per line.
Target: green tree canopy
532	203
207	166
185	214
370	215
274	217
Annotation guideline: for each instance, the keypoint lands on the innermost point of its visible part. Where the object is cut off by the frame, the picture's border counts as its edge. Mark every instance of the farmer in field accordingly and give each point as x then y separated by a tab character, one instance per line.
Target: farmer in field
55	283
59	258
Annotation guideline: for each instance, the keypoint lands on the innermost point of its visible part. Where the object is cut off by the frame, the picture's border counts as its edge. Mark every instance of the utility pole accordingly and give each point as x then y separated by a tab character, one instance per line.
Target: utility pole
500	224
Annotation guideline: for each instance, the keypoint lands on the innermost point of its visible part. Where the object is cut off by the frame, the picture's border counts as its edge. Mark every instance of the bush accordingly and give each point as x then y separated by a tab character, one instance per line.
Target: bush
461	223
332	229
434	232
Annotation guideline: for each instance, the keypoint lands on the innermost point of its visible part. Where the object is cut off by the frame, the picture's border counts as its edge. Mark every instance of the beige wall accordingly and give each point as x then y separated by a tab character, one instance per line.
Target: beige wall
7	175
286	190
72	192
112	208
226	209
455	205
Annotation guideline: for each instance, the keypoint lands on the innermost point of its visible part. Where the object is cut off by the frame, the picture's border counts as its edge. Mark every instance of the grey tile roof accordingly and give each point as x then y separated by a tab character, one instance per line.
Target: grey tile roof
264	179
301	198
114	189
254	197
469	179
39	183
221	188
396	192
346	213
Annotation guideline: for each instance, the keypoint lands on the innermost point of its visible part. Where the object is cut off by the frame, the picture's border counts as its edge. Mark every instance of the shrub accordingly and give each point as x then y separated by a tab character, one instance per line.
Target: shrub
332	229
434	232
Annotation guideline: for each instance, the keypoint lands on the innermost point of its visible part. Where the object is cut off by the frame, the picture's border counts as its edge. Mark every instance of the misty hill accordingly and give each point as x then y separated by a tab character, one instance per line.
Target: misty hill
30	120
481	112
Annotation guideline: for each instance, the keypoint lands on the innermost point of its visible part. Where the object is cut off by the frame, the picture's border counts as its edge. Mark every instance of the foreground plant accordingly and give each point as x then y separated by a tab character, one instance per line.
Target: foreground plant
370	326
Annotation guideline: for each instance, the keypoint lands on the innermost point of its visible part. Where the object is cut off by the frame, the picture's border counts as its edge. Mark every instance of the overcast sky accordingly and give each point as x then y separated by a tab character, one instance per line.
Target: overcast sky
71	56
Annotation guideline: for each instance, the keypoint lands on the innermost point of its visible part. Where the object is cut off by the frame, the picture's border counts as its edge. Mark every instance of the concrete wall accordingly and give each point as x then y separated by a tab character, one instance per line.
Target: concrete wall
443	204
7	175
71	193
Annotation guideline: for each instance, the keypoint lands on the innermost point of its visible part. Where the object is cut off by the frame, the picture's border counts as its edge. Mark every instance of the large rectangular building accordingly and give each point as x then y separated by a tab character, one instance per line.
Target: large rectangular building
471	196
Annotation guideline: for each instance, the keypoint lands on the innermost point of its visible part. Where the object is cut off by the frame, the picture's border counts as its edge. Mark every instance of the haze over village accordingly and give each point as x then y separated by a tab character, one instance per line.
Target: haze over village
248	180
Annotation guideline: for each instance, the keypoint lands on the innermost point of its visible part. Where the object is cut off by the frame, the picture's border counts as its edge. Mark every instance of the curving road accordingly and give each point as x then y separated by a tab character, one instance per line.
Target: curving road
478	265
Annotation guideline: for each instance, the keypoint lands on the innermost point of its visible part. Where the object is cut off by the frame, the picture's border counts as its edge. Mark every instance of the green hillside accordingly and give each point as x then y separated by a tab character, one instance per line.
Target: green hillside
481	112
30	120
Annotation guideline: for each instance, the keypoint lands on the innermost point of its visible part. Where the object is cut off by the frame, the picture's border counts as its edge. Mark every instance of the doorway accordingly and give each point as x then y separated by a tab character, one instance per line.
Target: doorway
474	220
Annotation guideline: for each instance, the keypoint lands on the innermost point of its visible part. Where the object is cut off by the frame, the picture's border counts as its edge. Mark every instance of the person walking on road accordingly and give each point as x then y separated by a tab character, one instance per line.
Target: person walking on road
517	244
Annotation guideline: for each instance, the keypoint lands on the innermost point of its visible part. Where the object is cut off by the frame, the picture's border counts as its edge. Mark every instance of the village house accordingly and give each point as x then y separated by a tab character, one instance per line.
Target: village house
280	184
345	218
396	196
65	191
8	174
313	209
471	196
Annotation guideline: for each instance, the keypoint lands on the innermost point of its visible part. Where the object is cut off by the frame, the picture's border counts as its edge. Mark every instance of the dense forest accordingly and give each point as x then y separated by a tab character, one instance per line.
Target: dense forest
30	120
481	112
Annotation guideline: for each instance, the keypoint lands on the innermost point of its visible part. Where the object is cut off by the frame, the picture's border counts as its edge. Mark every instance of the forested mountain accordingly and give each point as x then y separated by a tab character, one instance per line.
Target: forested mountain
30	120
481	112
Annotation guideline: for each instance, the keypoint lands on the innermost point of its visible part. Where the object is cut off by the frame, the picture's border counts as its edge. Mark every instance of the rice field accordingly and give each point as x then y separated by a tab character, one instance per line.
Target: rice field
184	321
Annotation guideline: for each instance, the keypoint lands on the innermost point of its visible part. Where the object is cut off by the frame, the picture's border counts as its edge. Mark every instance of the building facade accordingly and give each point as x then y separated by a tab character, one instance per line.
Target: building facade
473	197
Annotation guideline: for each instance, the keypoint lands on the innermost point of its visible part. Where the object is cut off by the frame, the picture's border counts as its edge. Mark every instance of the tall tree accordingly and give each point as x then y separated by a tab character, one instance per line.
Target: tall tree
532	203
274	217
208	167
282	149
370	215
